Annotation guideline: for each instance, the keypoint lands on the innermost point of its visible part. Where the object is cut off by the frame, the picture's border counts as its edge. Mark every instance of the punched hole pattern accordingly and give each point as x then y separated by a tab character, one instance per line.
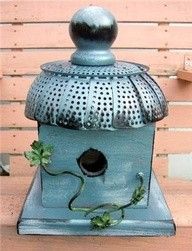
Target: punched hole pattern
95	102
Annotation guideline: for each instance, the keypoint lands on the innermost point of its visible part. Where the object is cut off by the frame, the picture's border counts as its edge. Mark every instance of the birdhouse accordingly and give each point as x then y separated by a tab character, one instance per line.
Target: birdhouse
96	124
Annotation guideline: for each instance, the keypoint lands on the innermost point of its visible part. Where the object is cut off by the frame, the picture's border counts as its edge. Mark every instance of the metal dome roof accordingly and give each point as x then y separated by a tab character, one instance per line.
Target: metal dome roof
93	91
79	99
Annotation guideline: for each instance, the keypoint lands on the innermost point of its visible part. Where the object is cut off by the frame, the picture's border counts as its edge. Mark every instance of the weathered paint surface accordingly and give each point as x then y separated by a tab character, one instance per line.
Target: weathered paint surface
155	220
127	152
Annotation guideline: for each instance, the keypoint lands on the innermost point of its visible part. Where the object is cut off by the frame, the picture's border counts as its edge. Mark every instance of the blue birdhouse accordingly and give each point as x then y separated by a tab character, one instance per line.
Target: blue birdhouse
96	124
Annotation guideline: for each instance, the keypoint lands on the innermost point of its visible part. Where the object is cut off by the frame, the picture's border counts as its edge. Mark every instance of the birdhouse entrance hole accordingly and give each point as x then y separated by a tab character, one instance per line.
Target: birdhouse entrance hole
92	162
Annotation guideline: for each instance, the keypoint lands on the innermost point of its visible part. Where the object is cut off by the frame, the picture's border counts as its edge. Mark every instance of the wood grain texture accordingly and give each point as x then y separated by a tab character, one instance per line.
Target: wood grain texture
19	166
12	115
173	142
176	89
16	88
61	11
129	36
12	241
180	116
17	141
160	165
185	75
160	62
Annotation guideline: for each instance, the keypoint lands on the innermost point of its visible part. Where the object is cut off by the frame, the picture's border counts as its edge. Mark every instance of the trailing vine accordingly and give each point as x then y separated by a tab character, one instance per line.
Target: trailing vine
40	155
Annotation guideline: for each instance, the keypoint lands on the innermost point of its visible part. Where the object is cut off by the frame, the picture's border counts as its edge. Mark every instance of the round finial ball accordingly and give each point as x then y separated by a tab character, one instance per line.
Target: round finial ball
93	27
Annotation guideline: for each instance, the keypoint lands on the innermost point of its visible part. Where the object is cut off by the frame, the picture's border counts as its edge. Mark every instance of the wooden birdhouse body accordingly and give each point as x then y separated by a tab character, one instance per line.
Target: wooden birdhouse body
127	151
96	123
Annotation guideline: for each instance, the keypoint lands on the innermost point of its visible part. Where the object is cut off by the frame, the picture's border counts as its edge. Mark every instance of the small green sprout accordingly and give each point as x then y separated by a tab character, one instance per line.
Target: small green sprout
40	155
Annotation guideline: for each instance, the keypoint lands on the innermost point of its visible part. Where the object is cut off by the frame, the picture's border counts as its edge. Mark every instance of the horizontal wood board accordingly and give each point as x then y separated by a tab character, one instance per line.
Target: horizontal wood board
17	141
129	36
27	62
17	118
22	11
15	88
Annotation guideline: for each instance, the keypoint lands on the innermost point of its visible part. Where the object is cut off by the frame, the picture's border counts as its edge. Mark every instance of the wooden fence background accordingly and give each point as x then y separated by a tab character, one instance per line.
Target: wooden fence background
153	32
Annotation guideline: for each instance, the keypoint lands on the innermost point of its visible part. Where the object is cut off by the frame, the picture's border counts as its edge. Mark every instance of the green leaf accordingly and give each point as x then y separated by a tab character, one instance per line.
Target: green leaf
137	195
97	223
46	154
36	145
36	162
45	160
48	148
40	155
106	217
28	155
36	152
101	222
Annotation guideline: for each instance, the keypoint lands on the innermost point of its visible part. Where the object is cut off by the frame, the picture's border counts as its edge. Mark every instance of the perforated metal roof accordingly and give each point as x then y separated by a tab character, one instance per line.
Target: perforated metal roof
95	97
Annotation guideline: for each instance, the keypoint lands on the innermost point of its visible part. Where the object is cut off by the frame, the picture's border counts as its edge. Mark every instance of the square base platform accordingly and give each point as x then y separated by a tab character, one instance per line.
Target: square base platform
155	220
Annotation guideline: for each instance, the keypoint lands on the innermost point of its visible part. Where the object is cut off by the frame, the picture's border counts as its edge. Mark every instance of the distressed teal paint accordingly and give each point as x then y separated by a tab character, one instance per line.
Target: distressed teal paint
128	151
155	220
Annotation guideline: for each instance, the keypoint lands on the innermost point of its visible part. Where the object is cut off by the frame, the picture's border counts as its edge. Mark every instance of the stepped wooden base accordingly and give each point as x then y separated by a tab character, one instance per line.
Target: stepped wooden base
155	220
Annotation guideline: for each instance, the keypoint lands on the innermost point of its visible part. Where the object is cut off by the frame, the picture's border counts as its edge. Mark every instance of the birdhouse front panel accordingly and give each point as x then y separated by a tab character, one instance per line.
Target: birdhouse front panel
108	161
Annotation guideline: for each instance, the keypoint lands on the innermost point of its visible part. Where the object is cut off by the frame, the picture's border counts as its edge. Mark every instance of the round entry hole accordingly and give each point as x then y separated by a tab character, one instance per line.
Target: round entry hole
92	162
